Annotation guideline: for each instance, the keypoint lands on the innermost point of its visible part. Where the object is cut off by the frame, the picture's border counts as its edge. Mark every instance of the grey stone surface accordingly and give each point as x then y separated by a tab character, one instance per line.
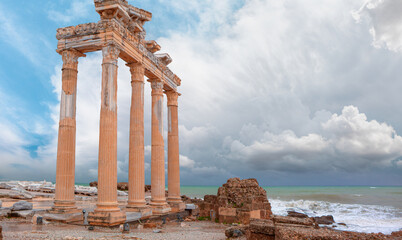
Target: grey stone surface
190	206
1	203
22	205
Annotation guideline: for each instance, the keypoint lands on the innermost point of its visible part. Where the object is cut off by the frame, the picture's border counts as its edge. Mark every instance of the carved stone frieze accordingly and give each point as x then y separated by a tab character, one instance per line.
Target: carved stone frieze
136	39
70	58
172	97
110	54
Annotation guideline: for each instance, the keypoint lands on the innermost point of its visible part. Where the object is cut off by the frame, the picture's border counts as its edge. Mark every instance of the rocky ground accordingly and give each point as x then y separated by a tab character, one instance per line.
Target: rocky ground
21	229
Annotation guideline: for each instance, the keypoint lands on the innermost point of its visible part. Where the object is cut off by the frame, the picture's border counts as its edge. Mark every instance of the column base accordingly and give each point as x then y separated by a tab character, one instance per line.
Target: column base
107	219
64	207
160	208
177	206
143	209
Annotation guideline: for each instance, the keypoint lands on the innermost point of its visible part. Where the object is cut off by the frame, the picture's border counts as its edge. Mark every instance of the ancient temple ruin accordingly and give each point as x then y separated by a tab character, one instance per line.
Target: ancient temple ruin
119	33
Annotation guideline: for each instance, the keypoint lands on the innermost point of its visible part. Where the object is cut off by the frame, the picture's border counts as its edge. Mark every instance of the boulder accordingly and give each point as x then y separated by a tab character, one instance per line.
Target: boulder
22	205
297	214
93	184
325	220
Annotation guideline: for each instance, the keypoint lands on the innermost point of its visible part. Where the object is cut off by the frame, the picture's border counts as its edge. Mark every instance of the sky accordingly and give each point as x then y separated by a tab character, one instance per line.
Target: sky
290	92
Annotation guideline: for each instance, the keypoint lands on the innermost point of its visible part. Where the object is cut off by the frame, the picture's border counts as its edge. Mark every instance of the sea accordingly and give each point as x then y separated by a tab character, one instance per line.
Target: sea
363	209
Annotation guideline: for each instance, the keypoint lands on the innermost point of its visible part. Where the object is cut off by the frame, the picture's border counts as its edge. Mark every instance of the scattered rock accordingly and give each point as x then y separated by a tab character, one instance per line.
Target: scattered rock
157	231
183	224
22	205
235	231
1	203
297	214
140	226
325	220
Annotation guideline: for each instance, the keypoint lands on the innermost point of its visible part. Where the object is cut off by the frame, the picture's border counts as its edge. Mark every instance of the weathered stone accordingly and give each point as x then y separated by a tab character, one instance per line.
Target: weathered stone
297	214
1	203
235	231
5	186
19	194
22	205
4	212
293	220
325	220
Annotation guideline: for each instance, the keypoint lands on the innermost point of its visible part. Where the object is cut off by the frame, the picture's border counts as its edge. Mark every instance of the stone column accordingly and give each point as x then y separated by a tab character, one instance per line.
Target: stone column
107	212
136	176
158	199
174	198
65	170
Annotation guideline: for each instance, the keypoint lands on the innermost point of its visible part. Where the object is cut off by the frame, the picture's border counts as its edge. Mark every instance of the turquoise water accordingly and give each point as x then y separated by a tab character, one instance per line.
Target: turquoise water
385	196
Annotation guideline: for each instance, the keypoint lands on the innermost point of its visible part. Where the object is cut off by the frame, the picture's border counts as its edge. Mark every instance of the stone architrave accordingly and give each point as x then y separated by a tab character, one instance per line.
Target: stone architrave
65	171
107	211
136	174
174	198
158	199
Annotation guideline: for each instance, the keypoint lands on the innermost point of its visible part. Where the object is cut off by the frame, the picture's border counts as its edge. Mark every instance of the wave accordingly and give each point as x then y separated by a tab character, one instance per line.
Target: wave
357	217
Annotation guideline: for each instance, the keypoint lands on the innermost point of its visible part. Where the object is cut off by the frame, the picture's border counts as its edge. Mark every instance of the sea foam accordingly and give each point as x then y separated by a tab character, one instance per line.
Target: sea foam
357	217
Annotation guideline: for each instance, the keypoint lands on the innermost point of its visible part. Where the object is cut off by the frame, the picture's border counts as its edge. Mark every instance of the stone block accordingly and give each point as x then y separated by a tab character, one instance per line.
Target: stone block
293	220
22	205
160	209
107	219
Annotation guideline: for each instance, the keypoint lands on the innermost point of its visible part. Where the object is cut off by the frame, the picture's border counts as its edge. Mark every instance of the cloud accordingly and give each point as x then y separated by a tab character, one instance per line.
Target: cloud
386	22
186	162
78	9
346	142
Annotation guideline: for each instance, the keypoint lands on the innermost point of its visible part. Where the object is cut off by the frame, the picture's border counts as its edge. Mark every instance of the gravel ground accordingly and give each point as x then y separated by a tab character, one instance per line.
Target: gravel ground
20	229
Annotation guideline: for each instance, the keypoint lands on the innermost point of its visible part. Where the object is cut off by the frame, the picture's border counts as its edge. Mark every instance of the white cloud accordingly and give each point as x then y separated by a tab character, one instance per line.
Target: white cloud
386	22
352	143
186	162
78	9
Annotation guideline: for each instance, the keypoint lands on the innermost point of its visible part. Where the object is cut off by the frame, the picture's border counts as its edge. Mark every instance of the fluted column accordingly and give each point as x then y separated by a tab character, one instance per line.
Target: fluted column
136	176
158	199
65	169
107	165
173	148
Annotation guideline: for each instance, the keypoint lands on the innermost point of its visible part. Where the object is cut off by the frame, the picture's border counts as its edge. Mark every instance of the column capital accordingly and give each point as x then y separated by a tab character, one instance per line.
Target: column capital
157	86
172	97
110	53
137	71
70	58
